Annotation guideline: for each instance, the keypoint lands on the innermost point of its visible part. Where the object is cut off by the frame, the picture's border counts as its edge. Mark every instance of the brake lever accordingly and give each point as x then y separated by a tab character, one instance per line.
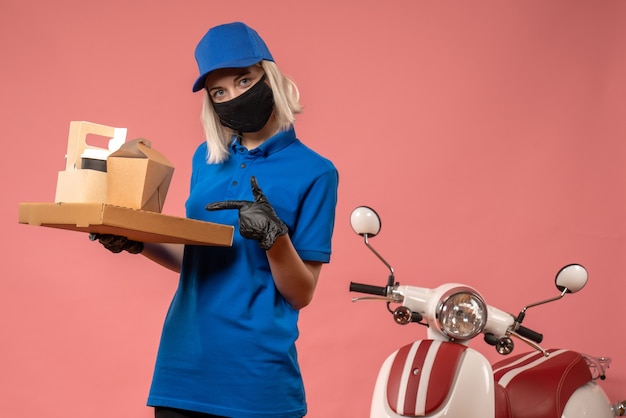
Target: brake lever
393	298
530	343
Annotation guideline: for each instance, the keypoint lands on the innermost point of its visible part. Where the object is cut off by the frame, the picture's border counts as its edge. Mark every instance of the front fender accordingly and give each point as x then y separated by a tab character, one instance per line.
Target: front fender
431	378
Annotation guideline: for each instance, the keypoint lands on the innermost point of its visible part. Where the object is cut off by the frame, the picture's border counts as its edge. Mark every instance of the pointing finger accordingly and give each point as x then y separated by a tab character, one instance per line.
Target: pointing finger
256	190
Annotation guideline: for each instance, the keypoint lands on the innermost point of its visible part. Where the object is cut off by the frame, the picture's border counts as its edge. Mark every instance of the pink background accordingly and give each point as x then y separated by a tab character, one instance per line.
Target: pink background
489	135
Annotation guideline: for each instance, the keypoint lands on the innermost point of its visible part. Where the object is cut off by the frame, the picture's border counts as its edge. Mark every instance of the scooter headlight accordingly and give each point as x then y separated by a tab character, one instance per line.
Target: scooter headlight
461	314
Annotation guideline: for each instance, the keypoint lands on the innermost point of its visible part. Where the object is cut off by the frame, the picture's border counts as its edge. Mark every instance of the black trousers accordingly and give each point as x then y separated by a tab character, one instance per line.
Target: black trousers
161	412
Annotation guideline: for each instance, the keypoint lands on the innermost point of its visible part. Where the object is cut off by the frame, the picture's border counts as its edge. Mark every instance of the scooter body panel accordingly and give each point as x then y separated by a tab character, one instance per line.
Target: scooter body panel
434	379
589	401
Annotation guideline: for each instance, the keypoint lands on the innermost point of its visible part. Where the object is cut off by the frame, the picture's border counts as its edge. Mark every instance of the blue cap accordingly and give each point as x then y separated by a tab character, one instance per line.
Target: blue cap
233	45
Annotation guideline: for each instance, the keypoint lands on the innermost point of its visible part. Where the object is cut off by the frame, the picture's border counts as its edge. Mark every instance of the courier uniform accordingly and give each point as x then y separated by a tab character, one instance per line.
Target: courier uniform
228	343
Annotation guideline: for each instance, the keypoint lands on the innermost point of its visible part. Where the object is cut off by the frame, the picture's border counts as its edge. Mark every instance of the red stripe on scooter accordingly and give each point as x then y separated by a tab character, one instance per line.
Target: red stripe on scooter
395	376
394	381
442	375
410	399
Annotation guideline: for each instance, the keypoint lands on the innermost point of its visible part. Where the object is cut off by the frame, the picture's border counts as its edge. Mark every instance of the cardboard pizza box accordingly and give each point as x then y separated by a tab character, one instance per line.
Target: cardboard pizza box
135	224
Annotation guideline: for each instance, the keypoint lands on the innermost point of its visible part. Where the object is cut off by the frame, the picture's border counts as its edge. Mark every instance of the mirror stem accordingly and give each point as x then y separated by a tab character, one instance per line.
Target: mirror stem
547	300
520	317
391	280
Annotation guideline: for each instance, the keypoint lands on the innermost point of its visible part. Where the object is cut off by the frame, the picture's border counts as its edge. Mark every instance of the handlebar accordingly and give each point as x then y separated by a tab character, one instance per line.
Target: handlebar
521	331
530	334
369	289
382	291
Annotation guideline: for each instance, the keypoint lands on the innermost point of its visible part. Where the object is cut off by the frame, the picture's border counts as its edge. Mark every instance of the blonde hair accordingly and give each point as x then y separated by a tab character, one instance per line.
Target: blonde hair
286	106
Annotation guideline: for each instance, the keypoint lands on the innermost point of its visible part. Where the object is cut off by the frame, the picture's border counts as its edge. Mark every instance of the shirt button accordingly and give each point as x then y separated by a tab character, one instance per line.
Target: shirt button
235	183
243	165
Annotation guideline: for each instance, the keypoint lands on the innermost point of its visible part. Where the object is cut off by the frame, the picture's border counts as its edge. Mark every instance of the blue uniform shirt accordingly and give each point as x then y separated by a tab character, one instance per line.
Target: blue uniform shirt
228	343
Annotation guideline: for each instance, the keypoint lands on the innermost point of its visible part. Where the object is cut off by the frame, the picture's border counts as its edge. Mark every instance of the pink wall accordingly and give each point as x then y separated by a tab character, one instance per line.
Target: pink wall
490	136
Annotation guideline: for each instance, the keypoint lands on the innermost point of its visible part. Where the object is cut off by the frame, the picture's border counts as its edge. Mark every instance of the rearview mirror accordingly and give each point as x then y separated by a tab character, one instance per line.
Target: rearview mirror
365	221
571	278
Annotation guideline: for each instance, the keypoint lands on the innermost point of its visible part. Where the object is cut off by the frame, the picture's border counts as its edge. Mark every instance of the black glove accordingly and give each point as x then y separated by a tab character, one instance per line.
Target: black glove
257	220
117	244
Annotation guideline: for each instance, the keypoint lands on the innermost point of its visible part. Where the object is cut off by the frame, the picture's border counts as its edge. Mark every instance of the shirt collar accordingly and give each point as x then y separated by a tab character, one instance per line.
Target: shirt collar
270	146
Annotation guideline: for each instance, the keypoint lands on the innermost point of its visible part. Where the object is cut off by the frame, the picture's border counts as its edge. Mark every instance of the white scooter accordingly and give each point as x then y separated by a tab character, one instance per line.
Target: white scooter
441	376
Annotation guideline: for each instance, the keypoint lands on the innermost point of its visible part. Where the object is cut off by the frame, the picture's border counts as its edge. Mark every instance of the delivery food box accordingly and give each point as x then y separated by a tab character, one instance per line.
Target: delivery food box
135	224
138	176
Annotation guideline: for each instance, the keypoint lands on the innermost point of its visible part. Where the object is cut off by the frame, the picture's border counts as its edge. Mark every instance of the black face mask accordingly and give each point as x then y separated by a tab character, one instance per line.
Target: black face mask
248	112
